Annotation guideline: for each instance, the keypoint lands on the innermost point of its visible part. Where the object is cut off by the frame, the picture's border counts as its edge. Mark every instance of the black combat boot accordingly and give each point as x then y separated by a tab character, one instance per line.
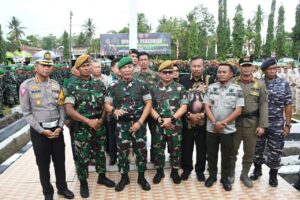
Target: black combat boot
143	182
84	189
273	177
123	182
103	180
159	175
256	172
175	176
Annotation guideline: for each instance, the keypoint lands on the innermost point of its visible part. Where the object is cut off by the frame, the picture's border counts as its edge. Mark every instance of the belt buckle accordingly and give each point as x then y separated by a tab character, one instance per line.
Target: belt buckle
50	124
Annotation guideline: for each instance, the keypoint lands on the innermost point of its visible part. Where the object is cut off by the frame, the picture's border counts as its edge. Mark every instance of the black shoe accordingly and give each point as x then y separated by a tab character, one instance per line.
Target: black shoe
200	176
143	182
113	161
273	182
175	176
68	194
210	181
158	176
123	182
48	196
256	172
185	175
226	184
103	180
84	189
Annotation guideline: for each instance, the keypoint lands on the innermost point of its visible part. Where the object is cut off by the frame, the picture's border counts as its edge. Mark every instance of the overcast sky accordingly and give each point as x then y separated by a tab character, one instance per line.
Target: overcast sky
52	17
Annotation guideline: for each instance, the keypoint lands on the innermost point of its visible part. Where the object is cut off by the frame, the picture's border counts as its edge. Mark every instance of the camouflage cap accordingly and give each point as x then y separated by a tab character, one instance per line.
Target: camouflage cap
82	59
165	64
124	61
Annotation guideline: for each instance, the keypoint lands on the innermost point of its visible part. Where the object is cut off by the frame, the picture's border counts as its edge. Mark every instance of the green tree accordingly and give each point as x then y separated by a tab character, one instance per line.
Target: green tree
223	30
65	43
192	45
143	24
280	34
269	47
94	49
238	32
16	31
175	27
33	40
49	42
89	29
296	34
2	48
258	24
82	40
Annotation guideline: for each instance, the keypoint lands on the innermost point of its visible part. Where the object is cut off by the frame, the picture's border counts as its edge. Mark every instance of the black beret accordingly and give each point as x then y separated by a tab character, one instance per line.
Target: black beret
267	63
133	51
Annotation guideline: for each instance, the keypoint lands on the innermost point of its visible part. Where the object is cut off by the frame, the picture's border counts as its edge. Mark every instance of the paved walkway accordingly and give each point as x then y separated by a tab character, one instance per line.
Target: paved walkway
21	181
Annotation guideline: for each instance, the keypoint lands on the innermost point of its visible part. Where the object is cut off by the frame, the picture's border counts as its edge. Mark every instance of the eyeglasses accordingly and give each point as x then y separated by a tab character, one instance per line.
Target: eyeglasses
167	72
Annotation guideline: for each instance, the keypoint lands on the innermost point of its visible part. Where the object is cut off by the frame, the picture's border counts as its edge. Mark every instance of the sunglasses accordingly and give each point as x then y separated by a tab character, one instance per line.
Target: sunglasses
167	72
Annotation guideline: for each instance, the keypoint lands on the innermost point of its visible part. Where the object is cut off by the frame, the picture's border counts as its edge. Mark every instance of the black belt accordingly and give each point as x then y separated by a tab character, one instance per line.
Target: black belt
128	118
95	116
250	115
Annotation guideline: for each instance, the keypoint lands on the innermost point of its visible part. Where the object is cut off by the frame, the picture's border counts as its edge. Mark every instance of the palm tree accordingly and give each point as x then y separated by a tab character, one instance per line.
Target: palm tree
89	29
16	30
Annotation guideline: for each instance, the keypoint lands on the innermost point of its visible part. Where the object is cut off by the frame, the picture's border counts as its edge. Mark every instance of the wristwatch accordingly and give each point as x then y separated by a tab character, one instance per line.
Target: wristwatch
173	120
214	122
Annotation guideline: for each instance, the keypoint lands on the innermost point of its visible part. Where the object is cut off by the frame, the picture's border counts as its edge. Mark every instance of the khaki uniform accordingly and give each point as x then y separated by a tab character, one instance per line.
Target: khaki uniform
254	114
223	100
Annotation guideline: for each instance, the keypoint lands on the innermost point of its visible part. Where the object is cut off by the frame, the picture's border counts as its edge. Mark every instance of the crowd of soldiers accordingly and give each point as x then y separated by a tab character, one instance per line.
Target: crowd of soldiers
11	78
214	103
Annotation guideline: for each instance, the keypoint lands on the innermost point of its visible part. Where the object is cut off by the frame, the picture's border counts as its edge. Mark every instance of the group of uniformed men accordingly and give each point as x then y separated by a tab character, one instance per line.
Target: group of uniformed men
179	114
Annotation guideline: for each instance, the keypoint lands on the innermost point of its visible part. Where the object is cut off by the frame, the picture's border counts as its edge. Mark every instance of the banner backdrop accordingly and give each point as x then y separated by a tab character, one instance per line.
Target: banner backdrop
152	43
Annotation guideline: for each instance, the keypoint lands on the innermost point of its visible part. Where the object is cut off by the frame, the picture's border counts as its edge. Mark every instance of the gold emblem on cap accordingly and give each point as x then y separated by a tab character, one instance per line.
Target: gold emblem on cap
47	55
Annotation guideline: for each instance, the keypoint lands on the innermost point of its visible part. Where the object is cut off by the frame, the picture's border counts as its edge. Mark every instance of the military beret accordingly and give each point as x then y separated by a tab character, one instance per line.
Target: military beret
133	51
267	63
165	64
247	60
44	57
81	59
124	61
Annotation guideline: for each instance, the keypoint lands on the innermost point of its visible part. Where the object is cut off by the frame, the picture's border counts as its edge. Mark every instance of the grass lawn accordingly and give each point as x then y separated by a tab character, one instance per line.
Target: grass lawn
6	110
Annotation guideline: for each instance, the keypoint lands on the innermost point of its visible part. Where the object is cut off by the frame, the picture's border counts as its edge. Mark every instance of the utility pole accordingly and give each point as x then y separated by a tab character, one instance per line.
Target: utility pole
70	40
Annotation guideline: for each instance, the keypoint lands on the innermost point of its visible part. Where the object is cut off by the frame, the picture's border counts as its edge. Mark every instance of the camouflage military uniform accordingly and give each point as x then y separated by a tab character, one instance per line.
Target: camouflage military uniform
11	88
166	101
279	94
87	96
130	96
151	78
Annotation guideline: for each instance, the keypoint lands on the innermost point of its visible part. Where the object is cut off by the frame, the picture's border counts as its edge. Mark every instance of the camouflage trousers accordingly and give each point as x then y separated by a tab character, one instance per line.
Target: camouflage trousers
274	139
138	139
173	138
88	143
12	95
